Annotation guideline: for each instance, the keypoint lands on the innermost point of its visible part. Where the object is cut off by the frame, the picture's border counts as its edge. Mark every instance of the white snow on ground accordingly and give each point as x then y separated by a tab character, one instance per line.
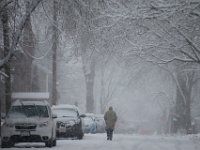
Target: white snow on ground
121	142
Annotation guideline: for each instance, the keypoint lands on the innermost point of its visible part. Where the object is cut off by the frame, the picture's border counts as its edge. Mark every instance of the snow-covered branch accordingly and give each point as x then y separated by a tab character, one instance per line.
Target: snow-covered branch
165	61
19	30
4	4
3	74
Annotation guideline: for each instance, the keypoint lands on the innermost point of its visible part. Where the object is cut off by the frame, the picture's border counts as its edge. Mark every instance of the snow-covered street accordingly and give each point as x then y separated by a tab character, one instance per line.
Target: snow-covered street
122	142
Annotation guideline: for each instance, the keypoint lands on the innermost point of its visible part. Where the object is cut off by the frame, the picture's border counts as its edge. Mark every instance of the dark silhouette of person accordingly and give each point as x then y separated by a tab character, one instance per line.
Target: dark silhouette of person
110	118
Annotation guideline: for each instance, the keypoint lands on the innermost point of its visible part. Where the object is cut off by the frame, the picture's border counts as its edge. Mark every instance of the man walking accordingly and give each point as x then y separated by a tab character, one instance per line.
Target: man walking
110	118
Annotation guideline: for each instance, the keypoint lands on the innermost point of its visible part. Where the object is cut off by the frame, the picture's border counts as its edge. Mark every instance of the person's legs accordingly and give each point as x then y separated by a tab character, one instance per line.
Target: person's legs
107	131
111	134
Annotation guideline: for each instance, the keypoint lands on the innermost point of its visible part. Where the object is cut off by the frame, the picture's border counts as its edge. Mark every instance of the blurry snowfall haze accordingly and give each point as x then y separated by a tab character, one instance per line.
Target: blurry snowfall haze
140	56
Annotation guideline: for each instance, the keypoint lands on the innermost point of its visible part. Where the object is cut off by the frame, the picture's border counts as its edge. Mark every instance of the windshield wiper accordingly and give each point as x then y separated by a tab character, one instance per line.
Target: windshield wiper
23	109
22	104
66	116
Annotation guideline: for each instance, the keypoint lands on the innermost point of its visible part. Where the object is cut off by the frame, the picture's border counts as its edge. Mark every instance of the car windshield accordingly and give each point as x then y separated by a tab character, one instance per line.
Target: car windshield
88	120
28	111
65	112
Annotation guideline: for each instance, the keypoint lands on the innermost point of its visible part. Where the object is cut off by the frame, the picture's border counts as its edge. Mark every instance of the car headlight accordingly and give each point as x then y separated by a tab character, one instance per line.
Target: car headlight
44	124
9	125
70	123
60	124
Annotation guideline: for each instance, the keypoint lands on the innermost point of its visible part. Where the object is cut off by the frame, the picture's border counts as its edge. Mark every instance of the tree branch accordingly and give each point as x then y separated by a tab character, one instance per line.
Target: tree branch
3	74
19	30
4	4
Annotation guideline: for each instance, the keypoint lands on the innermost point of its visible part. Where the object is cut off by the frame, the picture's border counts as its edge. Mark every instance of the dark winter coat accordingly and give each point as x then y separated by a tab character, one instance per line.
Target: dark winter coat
110	118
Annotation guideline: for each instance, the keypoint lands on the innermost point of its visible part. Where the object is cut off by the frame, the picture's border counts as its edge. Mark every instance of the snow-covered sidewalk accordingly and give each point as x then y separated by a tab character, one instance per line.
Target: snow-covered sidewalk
122	142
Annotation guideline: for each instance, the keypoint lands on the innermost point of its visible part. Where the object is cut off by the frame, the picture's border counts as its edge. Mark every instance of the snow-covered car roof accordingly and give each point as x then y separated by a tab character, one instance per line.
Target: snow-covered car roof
88	120
30	95
30	102
99	115
67	106
90	115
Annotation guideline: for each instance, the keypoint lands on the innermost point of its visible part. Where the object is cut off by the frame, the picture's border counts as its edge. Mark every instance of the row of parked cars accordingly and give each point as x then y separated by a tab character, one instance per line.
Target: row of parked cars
37	121
70	123
93	123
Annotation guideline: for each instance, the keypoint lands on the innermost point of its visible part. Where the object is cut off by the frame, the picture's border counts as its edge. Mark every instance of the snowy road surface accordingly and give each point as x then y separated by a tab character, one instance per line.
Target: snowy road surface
121	142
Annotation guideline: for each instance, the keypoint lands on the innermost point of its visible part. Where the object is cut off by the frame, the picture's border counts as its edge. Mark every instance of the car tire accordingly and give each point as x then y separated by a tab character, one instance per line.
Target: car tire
54	142
49	143
8	144
80	136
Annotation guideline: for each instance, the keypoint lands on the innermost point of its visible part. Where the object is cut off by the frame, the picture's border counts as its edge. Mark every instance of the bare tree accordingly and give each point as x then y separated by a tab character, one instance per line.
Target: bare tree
18	31
22	65
10	44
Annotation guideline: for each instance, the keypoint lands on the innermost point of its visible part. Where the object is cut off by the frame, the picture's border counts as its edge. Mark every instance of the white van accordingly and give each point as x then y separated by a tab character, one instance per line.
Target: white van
29	121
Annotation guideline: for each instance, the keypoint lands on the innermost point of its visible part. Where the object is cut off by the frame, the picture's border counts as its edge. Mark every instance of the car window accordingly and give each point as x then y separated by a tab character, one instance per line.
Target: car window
65	112
28	111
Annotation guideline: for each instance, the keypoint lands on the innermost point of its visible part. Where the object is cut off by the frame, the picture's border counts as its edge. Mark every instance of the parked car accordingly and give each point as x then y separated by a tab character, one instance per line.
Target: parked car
101	125
68	122
29	121
89	123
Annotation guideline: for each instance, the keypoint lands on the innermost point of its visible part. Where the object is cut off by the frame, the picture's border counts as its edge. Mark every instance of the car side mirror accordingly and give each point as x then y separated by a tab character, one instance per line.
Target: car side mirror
54	116
3	116
82	115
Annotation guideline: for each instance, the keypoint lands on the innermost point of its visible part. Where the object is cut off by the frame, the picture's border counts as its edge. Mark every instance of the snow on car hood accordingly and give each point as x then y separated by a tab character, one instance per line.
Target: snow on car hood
66	119
32	120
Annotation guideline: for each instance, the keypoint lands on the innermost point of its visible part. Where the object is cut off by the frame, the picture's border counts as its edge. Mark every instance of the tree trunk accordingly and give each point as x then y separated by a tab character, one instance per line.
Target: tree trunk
183	108
23	63
180	110
89	80
6	42
54	56
102	92
28	48
88	62
188	112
